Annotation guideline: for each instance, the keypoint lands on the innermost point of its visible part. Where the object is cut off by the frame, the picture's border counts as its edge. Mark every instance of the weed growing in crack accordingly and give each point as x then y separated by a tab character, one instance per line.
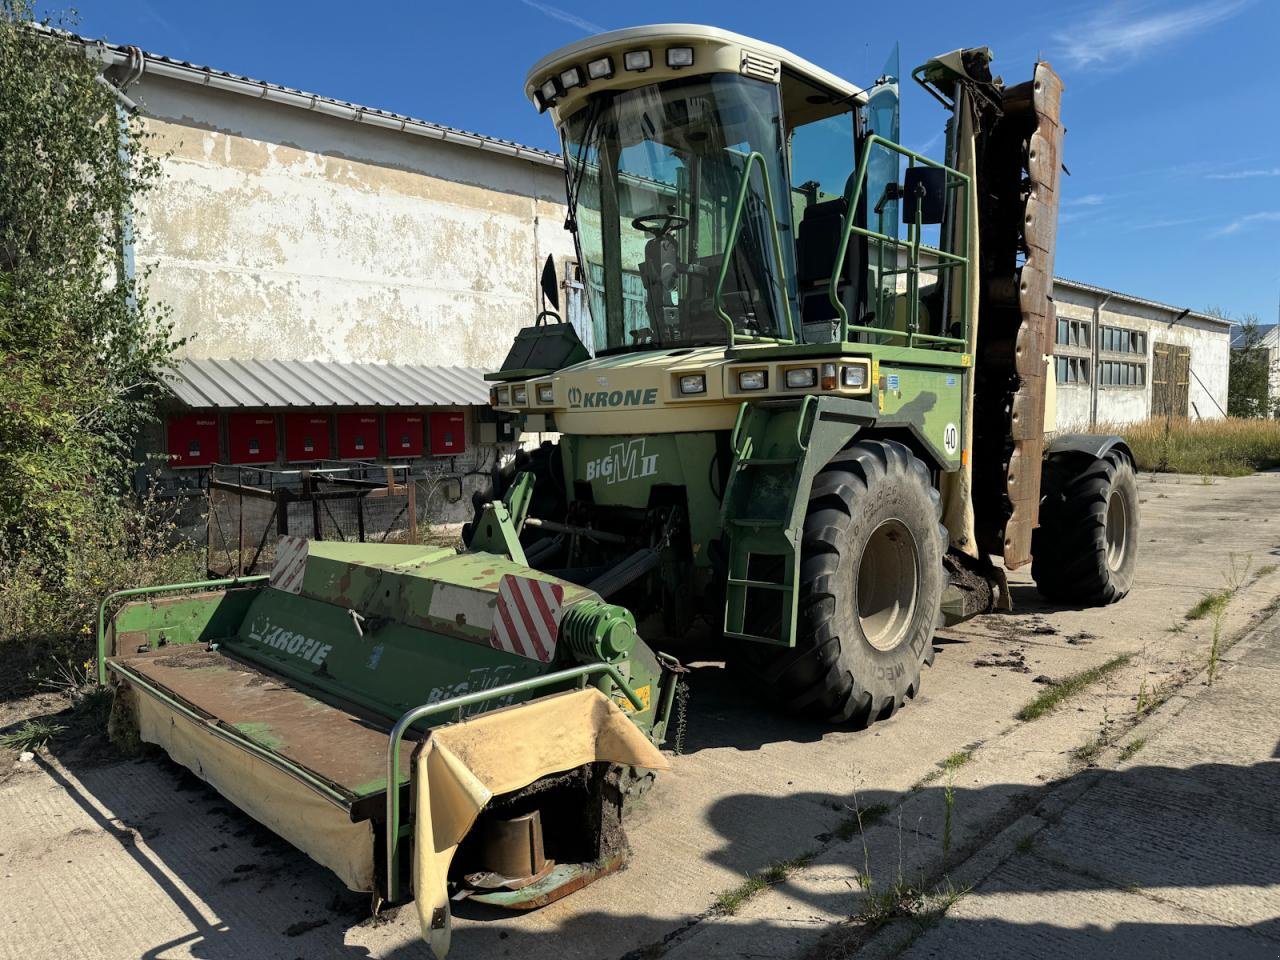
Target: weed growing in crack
1070	686
1237	571
730	901
948	810
1219	614
1208	603
1132	747
31	734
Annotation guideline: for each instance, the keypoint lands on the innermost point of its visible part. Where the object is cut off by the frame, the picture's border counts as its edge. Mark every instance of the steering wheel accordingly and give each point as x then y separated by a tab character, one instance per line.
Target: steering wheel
660	224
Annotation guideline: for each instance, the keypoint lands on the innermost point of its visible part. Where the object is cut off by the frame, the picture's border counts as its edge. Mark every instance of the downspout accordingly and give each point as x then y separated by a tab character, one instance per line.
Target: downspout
1094	372
125	107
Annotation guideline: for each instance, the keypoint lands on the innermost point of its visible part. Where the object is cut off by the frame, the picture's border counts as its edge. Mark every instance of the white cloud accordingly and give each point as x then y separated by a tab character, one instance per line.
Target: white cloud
1244	174
564	16
1166	223
1121	32
1088	200
1248	220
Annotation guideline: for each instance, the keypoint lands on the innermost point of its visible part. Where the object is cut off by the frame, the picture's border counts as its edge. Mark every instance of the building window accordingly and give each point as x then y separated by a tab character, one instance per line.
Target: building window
1118	373
1120	340
1073	333
1072	369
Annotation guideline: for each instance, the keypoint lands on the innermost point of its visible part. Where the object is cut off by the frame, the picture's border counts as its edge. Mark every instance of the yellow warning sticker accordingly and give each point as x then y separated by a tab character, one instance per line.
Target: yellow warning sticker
642	692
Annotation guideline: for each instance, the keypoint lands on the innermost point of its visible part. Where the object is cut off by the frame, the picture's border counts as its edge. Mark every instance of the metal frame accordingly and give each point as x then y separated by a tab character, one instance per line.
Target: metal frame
393	826
731	241
162	588
946	259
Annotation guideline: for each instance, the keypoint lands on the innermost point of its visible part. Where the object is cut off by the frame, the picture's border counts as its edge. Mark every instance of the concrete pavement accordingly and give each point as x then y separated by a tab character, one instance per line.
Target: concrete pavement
111	859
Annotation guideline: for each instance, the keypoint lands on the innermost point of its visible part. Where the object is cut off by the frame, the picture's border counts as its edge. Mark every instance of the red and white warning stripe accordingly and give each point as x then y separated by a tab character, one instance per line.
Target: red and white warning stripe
291	563
526	619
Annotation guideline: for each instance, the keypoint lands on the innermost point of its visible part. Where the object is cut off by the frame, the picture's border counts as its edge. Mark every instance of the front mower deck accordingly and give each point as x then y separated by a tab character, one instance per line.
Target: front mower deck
343	750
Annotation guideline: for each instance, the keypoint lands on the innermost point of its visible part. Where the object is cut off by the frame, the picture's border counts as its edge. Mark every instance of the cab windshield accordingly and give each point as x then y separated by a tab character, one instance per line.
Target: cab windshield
655	179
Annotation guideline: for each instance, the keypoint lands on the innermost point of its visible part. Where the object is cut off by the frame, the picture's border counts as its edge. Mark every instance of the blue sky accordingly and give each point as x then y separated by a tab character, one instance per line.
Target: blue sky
1172	106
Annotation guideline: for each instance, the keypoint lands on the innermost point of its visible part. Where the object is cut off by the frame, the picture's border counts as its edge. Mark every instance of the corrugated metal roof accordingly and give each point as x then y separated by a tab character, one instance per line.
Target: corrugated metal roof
1141	301
114	54
207	382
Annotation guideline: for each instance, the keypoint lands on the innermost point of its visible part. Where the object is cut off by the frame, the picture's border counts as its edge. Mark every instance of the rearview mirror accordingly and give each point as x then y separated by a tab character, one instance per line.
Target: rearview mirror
550	285
925	189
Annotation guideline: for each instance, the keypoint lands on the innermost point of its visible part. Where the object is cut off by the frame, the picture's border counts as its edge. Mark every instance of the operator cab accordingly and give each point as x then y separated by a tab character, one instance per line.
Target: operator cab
707	179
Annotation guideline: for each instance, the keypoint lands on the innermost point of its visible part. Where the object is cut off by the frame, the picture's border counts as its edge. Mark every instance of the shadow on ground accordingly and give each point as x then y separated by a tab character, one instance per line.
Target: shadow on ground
299	909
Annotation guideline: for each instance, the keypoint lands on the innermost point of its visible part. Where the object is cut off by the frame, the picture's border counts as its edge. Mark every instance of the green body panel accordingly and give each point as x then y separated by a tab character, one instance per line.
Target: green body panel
928	401
623	470
166	621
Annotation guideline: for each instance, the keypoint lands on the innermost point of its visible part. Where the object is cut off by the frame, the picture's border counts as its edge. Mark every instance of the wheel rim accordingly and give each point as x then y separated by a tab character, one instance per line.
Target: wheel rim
1117	530
888	584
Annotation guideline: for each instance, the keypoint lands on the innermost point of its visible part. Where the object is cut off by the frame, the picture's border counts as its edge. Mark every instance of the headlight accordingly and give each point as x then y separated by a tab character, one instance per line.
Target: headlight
855	376
548	90
571	78
637	59
504	396
803	377
679	57
519	395
601	69
752	380
546	393
693	383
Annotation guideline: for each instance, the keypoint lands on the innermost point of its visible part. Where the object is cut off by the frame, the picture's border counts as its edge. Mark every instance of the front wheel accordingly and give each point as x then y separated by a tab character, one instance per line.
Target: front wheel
871	580
1085	550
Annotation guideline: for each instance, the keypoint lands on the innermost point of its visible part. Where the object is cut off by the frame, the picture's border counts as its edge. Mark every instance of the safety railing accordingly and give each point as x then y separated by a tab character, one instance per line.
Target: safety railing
161	588
945	259
579	674
735	227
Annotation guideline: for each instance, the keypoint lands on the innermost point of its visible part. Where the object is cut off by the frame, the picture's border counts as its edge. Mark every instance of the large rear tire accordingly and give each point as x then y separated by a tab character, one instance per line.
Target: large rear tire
871	581
1085	550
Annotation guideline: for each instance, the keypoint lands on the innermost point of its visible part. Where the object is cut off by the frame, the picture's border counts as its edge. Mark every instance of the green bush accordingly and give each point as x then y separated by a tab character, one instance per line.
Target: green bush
48	614
81	350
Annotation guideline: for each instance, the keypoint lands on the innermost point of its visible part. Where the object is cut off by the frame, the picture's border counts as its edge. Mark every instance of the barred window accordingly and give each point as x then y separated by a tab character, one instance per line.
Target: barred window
1118	373
1072	369
1073	333
1120	340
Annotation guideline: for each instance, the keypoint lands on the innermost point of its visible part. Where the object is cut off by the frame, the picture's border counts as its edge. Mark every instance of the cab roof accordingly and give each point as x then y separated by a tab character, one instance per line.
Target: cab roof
807	88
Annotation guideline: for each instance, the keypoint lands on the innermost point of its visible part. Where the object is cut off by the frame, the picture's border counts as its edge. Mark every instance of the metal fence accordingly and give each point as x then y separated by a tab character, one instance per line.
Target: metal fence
249	509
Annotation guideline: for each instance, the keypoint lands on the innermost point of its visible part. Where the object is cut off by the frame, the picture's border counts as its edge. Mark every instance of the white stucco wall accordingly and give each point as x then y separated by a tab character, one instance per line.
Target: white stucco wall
280	233
1081	404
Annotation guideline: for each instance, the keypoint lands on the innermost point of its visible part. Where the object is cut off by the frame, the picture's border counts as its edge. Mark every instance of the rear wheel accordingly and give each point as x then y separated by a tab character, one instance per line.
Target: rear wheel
1085	550
871	580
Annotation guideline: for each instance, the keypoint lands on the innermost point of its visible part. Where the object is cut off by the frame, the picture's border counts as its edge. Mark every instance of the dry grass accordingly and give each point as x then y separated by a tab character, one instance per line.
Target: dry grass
1229	448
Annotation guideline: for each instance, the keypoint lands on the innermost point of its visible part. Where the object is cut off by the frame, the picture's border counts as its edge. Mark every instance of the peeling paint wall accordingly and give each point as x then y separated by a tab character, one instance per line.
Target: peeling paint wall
278	233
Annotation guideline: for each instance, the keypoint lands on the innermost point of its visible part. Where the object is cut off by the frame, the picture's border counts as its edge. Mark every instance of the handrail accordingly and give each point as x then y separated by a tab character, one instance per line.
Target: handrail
392	826
853	194
160	588
734	227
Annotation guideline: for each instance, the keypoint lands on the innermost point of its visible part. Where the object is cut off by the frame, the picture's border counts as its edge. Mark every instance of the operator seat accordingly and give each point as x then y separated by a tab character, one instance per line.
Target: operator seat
817	242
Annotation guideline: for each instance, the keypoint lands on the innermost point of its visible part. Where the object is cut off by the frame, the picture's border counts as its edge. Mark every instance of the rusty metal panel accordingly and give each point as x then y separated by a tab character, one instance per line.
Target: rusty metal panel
1036	331
343	749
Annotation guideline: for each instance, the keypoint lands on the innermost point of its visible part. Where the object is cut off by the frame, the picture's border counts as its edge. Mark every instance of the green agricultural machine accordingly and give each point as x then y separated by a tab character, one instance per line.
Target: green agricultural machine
812	416
817	405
